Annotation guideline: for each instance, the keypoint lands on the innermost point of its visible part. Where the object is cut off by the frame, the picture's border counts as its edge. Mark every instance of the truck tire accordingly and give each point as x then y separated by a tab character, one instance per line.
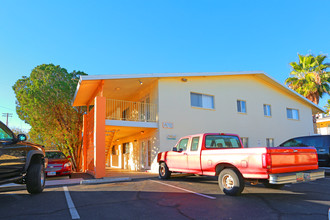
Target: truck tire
231	182
164	173
273	186
35	178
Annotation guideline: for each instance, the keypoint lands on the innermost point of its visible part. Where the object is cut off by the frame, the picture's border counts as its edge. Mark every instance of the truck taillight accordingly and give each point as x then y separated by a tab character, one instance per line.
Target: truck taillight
266	161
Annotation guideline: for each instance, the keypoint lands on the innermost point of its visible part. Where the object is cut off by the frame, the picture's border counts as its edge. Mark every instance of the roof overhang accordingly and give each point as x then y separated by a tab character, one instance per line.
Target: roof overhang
88	85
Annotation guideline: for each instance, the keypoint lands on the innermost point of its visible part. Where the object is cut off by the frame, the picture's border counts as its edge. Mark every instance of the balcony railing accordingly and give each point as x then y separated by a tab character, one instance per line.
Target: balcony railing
130	111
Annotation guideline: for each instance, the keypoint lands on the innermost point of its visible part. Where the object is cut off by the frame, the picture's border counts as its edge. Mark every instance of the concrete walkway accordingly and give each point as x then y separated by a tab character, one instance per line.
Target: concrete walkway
112	175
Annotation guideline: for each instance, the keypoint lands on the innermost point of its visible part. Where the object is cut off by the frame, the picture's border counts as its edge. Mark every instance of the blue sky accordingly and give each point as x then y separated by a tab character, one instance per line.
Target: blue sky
151	36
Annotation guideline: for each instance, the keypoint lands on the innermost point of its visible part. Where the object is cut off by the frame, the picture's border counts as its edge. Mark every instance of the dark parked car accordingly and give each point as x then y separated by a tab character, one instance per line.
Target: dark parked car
320	142
58	164
21	162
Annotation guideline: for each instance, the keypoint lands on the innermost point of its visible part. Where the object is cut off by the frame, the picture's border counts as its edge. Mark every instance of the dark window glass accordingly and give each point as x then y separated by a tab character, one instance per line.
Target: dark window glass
55	155
222	141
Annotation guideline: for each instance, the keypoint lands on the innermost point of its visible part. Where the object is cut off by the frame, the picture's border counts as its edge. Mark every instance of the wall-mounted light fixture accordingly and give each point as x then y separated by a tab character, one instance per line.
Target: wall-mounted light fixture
140	82
117	88
184	79
142	132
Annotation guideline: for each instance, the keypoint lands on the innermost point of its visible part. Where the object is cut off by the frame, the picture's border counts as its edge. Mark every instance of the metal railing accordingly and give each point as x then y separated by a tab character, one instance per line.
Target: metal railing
130	111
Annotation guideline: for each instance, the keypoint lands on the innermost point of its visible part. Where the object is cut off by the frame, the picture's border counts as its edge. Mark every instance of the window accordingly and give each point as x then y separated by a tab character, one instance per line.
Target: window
194	144
315	141
245	142
201	100
222	141
5	135
267	110
183	144
241	106
126	148
270	142
292	113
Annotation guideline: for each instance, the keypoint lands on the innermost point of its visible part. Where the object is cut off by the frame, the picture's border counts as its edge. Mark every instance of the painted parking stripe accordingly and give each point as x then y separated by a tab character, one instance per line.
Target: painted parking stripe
73	210
199	194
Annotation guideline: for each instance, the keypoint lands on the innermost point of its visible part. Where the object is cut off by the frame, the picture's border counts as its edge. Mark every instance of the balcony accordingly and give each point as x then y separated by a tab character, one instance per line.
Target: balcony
130	111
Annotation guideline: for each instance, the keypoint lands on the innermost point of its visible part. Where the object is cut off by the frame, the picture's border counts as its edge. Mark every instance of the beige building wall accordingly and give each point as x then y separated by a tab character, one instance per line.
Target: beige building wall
175	110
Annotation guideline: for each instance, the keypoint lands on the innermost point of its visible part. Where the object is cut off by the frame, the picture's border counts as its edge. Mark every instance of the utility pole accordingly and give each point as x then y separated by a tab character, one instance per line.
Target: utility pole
8	115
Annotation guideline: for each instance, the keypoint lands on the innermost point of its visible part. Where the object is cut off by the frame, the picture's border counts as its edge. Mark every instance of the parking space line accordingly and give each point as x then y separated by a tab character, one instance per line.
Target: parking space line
73	210
199	194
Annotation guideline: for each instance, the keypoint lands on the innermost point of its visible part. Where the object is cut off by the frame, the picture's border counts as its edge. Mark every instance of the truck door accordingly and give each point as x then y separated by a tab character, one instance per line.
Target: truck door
12	155
178	159
193	155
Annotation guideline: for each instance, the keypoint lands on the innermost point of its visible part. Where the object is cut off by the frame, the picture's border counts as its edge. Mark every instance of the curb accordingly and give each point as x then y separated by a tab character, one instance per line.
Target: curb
104	180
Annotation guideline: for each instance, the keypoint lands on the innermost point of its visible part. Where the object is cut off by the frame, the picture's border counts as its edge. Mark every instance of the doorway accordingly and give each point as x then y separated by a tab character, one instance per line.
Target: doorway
116	156
145	148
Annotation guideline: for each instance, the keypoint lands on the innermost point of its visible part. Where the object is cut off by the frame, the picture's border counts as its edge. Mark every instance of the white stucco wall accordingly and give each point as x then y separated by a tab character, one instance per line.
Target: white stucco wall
174	107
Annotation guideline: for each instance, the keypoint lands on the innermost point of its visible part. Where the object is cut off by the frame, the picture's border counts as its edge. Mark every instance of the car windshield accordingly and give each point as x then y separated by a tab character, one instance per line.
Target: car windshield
5	134
55	155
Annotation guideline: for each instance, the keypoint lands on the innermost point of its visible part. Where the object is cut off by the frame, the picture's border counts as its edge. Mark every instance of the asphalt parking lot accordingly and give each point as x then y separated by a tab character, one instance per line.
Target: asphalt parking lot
181	197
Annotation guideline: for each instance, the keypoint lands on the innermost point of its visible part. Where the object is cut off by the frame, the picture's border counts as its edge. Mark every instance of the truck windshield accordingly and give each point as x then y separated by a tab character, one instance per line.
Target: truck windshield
5	135
222	141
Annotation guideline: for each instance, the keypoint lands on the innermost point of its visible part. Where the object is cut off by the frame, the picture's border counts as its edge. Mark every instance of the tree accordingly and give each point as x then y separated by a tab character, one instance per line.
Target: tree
309	77
44	102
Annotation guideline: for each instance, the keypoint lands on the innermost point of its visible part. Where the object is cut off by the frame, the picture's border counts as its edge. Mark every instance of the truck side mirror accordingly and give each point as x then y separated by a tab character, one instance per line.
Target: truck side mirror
21	137
175	149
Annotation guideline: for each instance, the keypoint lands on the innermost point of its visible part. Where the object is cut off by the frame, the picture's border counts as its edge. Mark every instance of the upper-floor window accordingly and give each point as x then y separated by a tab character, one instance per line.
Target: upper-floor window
270	142
245	142
267	110
201	100
292	113
241	106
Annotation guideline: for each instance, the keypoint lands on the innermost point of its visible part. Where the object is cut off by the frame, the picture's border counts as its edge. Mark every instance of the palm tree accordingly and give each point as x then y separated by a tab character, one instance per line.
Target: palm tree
309	77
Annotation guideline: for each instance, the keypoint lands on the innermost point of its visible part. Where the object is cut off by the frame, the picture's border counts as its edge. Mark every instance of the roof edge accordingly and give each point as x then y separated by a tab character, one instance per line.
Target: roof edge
160	75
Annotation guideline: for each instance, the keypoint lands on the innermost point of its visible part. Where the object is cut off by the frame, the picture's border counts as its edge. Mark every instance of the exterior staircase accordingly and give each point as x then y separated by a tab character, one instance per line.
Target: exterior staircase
109	137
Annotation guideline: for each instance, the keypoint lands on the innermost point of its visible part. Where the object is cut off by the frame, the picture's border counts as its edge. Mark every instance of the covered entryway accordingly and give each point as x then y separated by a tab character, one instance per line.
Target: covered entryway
130	148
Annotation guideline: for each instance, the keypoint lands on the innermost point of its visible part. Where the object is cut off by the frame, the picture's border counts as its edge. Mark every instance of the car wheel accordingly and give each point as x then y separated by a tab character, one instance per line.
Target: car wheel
35	179
273	186
164	173
231	182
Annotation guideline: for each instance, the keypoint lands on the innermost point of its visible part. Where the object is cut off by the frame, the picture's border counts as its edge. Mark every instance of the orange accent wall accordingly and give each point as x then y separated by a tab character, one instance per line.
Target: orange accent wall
99	136
85	145
89	149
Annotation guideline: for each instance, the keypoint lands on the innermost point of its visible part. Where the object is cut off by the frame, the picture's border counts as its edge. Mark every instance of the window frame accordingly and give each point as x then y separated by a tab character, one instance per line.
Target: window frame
266	110
192	142
268	141
178	145
287	115
240	106
202	94
227	145
247	141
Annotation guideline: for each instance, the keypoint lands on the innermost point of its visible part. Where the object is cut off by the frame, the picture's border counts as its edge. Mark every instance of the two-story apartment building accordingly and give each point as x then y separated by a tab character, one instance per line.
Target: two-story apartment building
133	117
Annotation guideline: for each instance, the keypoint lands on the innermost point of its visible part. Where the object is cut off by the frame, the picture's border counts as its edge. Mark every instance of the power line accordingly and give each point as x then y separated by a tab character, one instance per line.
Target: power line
8	115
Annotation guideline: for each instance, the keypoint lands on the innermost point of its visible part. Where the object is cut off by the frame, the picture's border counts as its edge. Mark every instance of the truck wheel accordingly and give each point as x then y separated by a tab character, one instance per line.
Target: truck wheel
273	186
164	173
231	182
35	179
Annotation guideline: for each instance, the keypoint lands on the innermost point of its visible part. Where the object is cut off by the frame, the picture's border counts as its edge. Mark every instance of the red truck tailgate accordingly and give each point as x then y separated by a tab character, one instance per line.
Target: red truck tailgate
287	159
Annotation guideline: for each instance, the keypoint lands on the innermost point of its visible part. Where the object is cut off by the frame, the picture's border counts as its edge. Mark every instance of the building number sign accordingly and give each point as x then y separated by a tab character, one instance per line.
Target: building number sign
167	125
